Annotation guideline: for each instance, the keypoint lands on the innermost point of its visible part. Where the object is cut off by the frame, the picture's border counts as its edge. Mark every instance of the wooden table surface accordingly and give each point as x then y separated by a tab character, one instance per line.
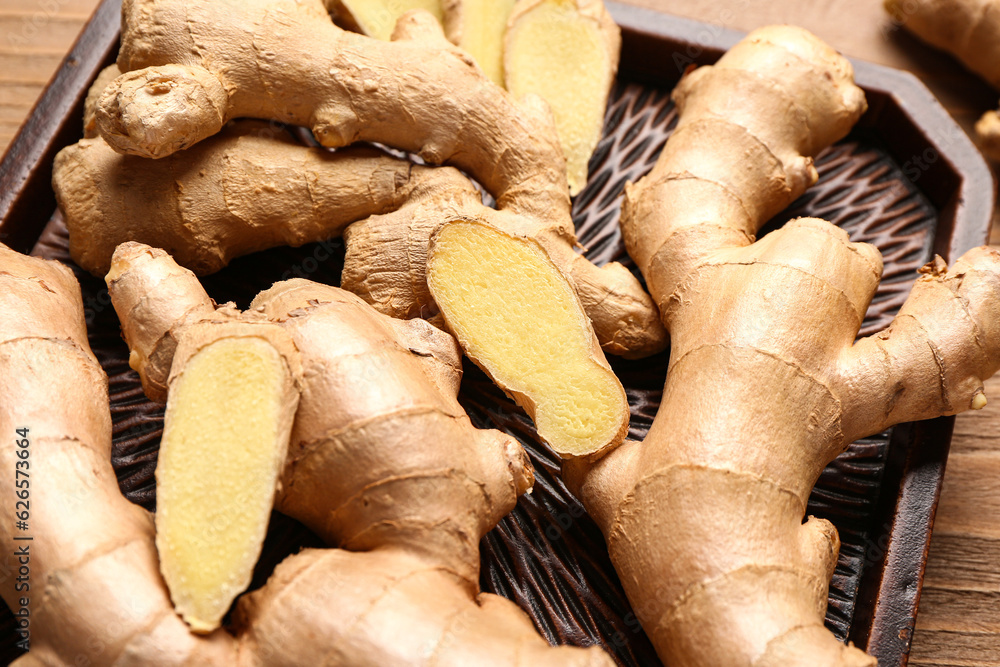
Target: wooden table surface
959	620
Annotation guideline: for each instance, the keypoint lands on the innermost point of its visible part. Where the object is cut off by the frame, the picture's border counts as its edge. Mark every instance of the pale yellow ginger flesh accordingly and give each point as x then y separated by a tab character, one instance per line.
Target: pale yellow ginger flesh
478	26
767	381
235	422
970	31
224	442
566	52
377	18
518	318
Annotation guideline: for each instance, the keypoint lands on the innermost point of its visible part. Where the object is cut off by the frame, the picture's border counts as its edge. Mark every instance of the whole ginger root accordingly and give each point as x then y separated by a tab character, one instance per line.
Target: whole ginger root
766	384
188	71
407	518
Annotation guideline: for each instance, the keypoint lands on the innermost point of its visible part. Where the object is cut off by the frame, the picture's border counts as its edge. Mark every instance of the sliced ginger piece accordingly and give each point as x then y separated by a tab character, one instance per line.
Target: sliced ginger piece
518	319
377	18
226	433
566	52
478	26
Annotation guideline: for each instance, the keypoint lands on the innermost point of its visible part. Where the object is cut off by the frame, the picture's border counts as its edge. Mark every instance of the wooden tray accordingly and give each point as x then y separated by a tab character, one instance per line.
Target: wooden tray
907	179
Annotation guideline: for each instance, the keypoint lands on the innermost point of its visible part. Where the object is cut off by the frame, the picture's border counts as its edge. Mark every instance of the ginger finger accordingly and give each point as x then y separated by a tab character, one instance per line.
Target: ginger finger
231	396
208	203
937	352
969	30
965	28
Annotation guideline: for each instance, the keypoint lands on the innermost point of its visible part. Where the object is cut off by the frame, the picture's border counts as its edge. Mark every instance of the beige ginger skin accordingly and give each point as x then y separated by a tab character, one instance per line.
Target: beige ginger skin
766	384
969	30
192	66
406	519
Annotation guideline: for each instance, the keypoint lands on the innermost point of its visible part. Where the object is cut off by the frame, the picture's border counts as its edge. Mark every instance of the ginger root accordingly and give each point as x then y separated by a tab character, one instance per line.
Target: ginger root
540	351
478	26
245	190
970	31
187	72
384	463
704	518
377	18
566	52
90	547
230	382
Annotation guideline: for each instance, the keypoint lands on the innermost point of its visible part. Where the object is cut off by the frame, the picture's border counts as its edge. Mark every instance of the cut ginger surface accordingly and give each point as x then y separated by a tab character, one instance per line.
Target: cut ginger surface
518	318
377	18
478	26
226	435
566	52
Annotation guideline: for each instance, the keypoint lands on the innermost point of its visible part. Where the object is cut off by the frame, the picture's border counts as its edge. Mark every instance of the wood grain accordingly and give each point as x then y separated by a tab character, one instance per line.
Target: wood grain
959	621
34	37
